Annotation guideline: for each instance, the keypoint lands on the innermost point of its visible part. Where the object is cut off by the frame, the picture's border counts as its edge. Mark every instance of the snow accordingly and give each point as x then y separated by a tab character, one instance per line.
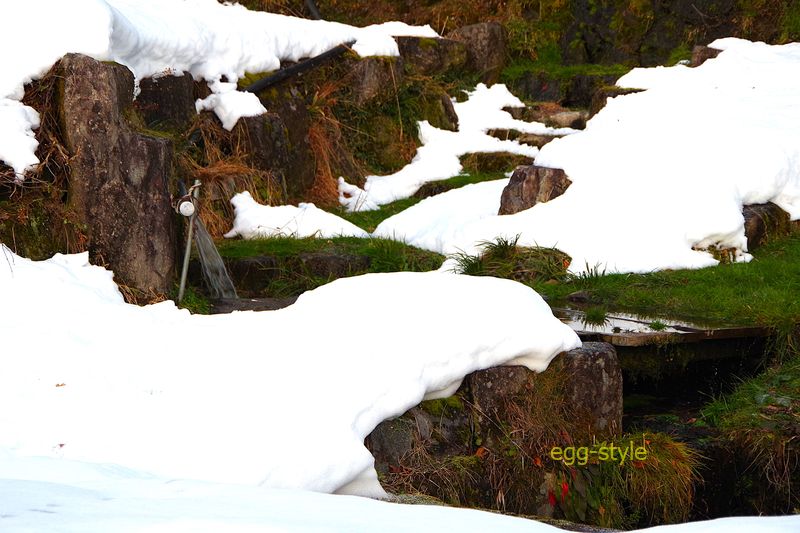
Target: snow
157	37
282	399
438	157
437	220
44	494
255	221
656	173
229	104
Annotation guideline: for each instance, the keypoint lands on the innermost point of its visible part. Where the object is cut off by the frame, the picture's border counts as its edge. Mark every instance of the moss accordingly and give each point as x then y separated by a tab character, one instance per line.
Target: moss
443	406
682	53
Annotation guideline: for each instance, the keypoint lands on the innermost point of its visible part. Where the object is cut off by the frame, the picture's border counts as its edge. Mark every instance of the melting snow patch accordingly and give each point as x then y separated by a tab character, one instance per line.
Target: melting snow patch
255	221
438	157
660	174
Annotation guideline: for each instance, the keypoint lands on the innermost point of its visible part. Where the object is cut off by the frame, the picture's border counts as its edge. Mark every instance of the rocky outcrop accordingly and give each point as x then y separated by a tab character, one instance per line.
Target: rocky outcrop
118	184
530	185
487	49
427	57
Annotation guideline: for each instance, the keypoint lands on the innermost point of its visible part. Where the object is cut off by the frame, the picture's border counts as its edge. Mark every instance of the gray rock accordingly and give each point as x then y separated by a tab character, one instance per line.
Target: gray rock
701	54
487	45
167	102
530	185
375	78
426	56
594	385
118	177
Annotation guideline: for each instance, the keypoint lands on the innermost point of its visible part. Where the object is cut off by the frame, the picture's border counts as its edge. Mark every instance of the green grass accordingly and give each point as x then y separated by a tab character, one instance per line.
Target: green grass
761	419
385	255
520	67
763	292
293	277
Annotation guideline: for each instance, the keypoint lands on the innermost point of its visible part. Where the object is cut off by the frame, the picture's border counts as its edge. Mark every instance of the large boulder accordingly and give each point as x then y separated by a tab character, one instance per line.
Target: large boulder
591	384
530	185
487	45
118	184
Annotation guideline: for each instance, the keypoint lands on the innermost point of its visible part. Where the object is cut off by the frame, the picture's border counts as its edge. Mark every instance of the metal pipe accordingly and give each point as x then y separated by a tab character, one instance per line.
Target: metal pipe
299	68
188	252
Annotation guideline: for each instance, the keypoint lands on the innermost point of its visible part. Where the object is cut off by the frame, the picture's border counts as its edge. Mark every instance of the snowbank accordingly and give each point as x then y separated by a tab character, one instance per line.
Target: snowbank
161	37
280	399
438	157
435	221
660	172
253	221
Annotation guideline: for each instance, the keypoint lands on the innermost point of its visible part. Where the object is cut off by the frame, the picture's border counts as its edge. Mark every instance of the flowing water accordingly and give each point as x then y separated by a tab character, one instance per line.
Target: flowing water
214	272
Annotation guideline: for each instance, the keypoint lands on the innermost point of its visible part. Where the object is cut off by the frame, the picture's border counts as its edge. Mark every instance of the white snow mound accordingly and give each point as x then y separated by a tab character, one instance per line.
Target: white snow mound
281	399
256	221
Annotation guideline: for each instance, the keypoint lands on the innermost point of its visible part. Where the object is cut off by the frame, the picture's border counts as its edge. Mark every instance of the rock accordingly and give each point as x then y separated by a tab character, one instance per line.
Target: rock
487	45
551	114
700	54
580	89
529	139
531	185
390	441
428	57
118	183
268	147
167	102
439	111
494	162
493	388
332	266
594	385
253	275
580	297
763	222
279	140
375	78
601	96
539	87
